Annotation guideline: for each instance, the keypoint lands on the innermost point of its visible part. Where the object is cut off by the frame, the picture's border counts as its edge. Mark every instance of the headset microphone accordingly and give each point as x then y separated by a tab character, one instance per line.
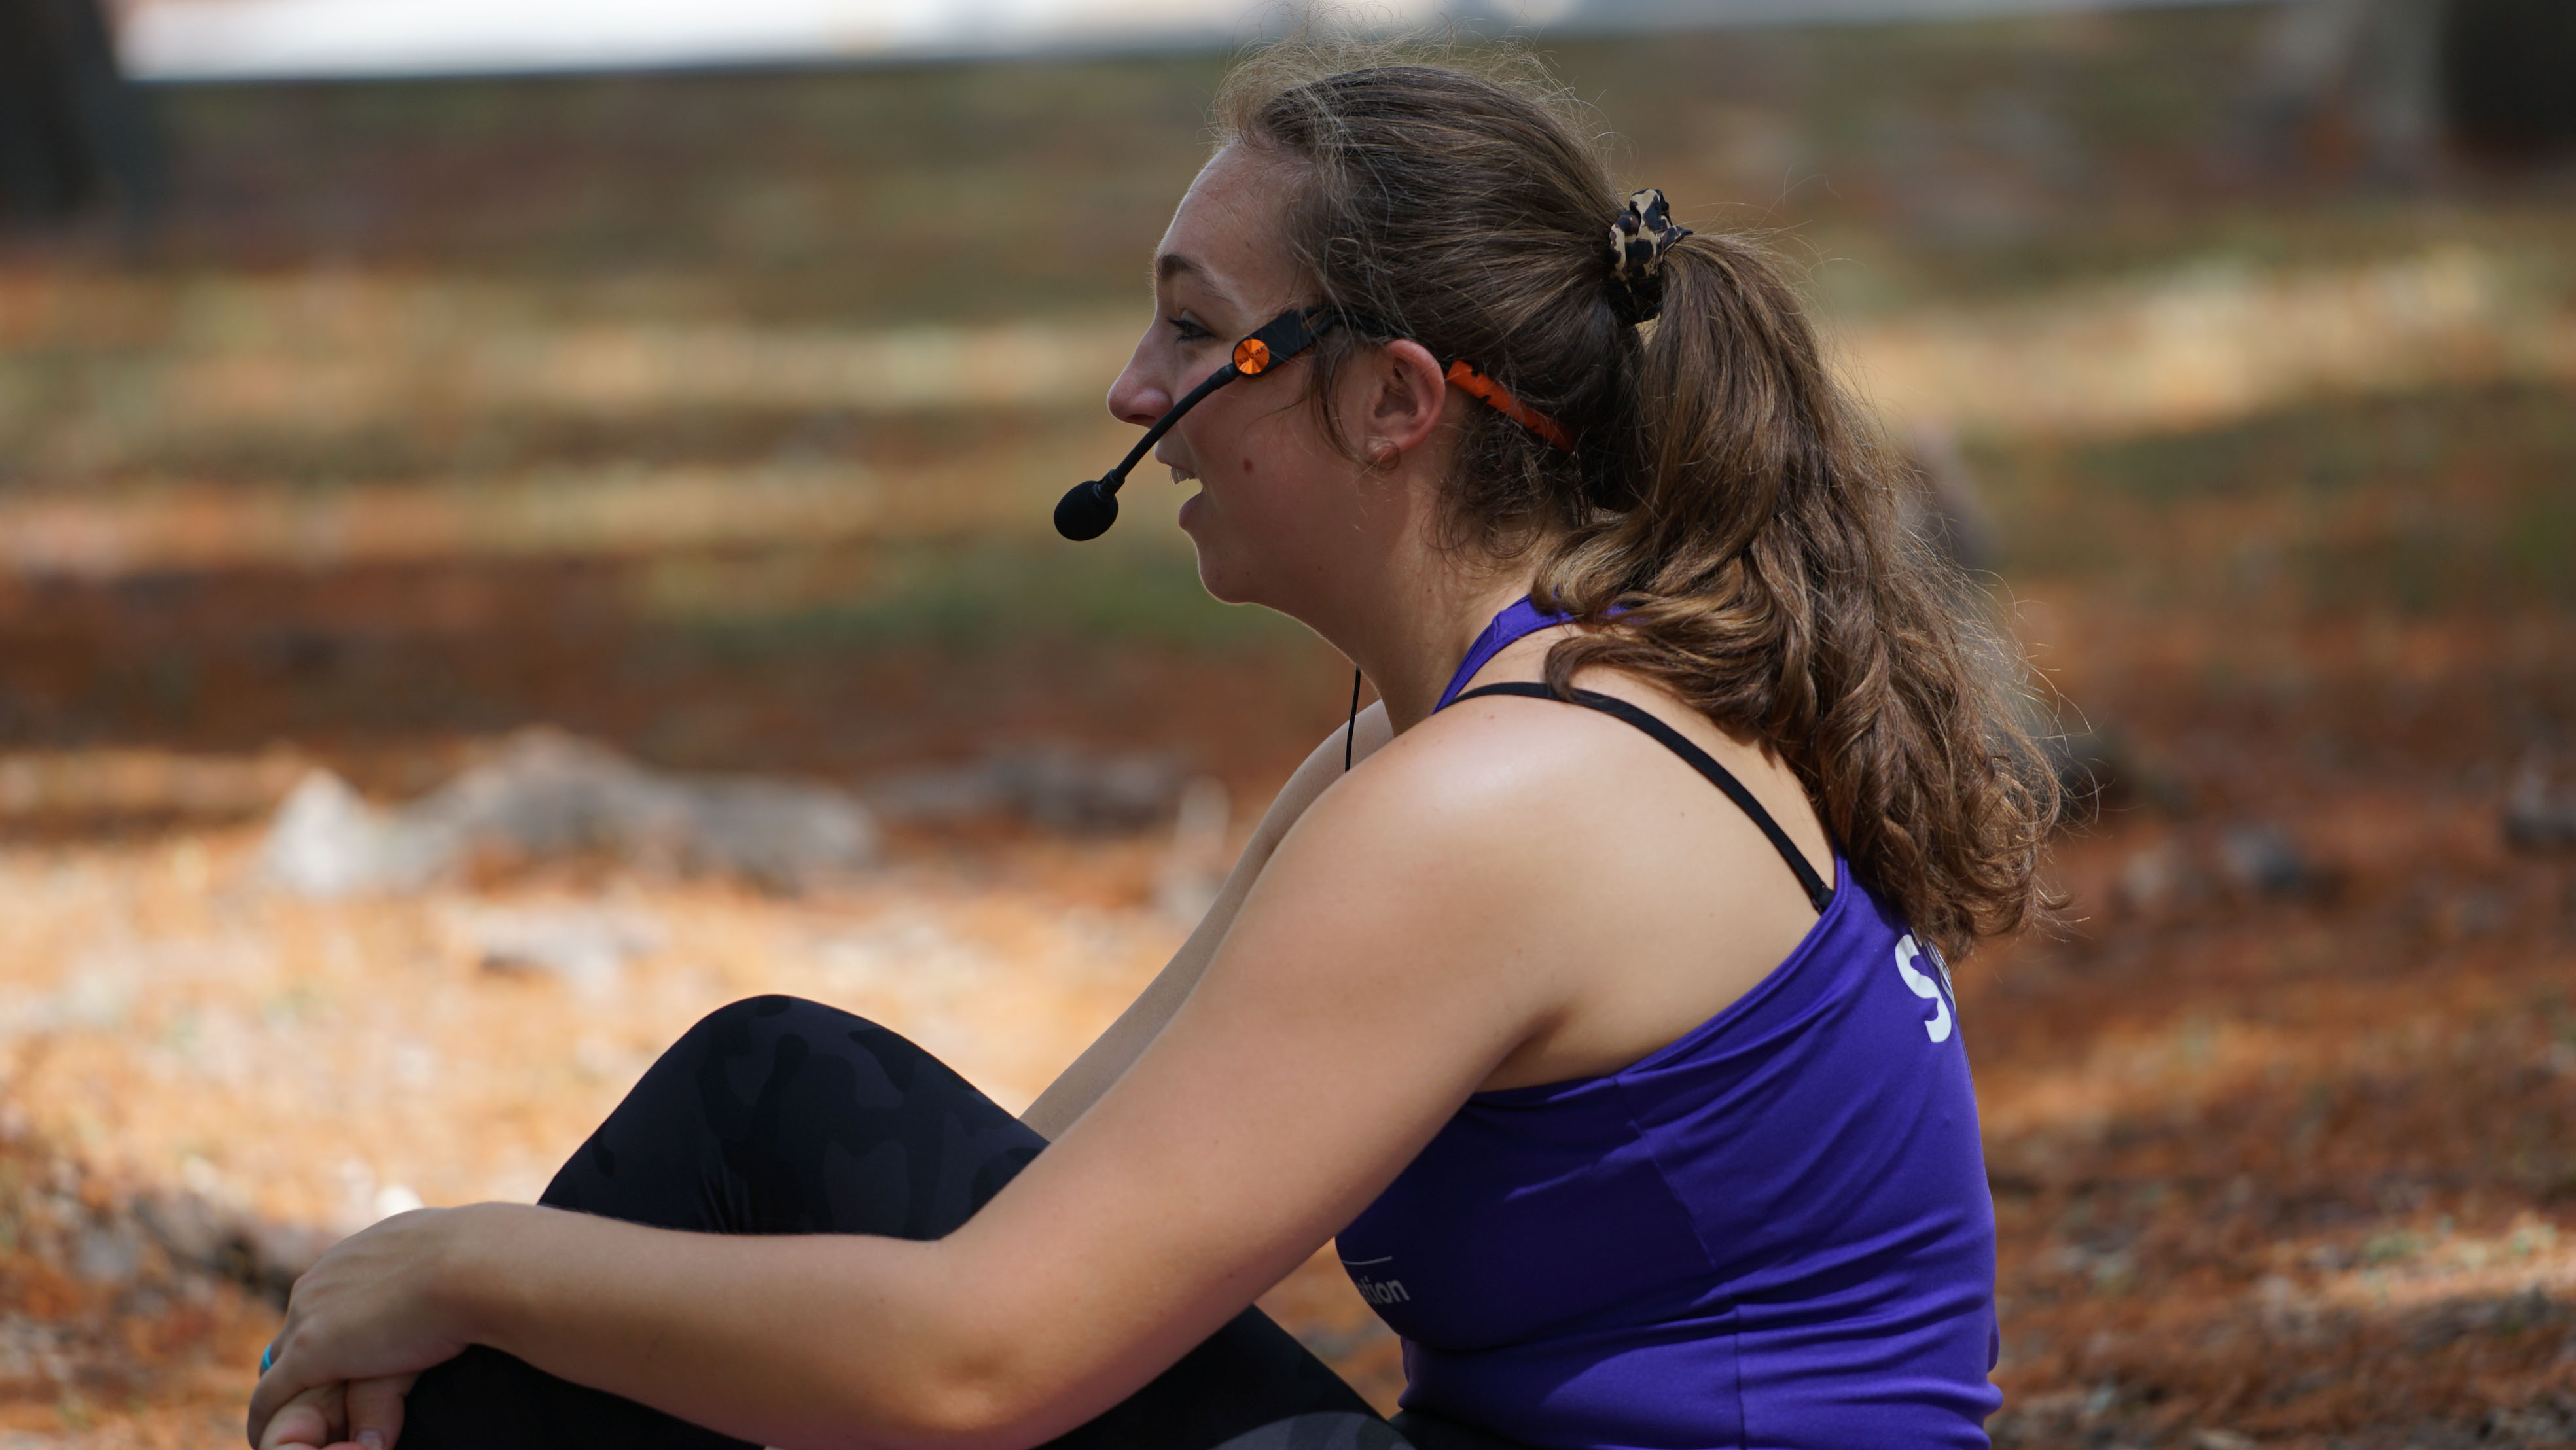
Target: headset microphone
1088	509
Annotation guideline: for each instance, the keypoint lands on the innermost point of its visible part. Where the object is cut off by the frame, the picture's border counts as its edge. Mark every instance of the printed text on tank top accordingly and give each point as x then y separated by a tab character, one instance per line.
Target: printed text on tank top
1384	1288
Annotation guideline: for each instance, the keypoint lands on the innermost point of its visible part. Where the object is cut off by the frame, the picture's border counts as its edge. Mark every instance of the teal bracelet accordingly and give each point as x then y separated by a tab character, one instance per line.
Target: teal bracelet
267	1357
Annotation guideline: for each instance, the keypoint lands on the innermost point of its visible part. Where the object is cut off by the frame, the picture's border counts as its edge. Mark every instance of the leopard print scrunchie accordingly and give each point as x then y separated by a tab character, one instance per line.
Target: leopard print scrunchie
1638	240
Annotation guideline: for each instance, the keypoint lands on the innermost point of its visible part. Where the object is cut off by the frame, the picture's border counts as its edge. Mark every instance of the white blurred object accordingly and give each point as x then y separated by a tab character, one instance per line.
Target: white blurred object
1051	784
325	841
396	1198
209	39
546	794
586	948
365	1201
246	39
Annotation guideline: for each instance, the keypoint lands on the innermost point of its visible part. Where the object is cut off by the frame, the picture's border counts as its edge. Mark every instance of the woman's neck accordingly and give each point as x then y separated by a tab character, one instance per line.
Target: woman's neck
1398	600
1410	643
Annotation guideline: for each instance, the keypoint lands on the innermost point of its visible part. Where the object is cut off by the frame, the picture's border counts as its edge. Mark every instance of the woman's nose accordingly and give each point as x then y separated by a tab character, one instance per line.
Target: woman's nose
1139	396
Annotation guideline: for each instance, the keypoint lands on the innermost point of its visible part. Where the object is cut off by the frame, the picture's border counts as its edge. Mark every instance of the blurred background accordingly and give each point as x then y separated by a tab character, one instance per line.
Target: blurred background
517	529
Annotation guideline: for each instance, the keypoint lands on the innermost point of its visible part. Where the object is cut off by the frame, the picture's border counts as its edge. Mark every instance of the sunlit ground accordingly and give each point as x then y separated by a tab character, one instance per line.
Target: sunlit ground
453	410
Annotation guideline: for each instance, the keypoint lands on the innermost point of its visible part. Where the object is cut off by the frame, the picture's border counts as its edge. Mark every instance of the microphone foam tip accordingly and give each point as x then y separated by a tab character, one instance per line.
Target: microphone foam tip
1086	511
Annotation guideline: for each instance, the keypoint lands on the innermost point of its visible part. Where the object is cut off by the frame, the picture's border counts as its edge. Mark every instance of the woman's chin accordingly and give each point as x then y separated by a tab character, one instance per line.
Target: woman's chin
1226	571
1224	585
1220	583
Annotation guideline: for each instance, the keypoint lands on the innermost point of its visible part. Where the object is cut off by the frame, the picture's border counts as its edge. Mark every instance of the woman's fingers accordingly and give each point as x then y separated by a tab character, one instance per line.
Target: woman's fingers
365	1312
376	1410
306	1422
282	1416
365	1415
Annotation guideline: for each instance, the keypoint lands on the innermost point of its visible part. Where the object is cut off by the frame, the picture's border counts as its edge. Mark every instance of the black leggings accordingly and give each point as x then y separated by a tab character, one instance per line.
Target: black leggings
781	1116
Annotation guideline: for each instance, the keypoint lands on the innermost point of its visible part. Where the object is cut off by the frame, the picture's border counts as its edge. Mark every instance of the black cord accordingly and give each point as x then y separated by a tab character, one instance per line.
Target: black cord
1352	734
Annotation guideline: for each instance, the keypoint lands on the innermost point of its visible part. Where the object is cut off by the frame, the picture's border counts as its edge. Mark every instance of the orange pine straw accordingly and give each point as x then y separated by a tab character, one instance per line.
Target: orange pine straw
1496	396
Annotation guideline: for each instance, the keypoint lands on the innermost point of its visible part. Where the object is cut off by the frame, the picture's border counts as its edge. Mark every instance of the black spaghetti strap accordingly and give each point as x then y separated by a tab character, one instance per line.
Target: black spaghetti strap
1819	894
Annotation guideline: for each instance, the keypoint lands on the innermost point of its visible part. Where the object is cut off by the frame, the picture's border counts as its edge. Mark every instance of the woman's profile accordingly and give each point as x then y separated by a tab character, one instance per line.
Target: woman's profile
1589	993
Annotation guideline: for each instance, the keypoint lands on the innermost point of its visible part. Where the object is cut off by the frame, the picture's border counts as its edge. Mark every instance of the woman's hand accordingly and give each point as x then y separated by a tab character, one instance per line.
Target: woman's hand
359	1325
363	1416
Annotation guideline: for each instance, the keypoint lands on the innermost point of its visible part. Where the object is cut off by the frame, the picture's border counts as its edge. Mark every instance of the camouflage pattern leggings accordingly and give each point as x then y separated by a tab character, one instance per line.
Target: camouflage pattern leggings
781	1116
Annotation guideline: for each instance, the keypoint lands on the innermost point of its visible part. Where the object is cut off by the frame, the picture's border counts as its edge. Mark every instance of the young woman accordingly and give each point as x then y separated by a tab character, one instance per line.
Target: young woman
1601	1018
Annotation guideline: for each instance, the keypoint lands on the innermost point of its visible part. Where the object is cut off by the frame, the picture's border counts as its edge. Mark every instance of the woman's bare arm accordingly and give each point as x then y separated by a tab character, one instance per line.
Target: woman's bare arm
1289	1086
1407	940
1081	1084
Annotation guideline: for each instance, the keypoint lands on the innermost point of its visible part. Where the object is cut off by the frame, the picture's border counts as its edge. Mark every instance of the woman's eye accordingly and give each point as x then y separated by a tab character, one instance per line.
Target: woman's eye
1188	331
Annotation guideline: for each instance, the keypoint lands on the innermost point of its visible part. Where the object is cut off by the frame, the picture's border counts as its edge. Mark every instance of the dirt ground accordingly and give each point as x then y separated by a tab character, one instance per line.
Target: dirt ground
2282	1149
448	411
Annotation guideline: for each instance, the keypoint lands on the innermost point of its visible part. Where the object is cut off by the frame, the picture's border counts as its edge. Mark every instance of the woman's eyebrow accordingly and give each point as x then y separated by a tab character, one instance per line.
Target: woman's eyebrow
1172	264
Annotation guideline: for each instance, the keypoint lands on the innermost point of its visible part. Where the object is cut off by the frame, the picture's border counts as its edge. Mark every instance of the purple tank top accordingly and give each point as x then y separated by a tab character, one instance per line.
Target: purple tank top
1519	619
1771	1232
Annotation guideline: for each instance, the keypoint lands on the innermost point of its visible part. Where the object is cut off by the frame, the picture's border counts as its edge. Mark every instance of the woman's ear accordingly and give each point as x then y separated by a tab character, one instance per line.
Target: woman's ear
1407	397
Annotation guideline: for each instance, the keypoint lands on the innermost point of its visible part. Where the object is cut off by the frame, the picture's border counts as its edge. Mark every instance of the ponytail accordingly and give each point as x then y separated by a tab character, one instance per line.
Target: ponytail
1770	583
1728	524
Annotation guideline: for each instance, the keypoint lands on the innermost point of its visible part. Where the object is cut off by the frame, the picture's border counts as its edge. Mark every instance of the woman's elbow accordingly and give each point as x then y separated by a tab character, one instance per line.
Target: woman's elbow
975	1401
986	1408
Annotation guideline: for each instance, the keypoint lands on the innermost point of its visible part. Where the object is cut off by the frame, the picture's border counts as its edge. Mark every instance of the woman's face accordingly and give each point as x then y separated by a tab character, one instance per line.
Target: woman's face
1273	493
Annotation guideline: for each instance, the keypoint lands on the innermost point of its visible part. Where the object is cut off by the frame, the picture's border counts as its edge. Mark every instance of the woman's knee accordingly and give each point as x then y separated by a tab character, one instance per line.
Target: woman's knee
668	1152
780	1115
771	1015
785	1032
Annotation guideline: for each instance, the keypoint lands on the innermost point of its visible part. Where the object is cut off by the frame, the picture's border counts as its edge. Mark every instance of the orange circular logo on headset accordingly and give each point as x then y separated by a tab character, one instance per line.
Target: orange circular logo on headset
1251	355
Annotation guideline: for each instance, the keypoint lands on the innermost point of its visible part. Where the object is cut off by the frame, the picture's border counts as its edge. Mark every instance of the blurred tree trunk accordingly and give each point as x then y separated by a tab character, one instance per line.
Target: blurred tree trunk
73	131
2509	75
2402	81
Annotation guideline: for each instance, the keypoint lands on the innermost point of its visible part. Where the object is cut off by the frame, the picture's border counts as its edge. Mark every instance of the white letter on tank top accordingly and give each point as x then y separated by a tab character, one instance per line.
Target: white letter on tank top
1938	1029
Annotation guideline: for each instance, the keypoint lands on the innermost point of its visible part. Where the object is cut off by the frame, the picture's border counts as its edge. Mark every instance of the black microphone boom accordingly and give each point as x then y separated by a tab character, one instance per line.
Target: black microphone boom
1088	509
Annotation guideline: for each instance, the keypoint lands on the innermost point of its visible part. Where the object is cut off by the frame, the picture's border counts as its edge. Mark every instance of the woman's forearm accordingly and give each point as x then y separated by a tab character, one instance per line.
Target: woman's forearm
1108	1058
790	1340
1081	1084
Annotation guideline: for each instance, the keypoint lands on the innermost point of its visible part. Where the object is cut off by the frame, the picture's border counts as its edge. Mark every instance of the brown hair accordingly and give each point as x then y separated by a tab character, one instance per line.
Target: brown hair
1726	498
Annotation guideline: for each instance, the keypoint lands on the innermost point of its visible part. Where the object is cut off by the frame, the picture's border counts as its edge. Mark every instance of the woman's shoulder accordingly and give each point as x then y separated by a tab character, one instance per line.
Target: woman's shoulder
1518	754
1448	790
1593	751
1586	851
1478	783
1487	749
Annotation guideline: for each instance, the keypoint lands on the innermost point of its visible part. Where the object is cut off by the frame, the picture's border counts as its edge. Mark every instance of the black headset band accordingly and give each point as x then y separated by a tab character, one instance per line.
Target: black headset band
1088	509
1294	331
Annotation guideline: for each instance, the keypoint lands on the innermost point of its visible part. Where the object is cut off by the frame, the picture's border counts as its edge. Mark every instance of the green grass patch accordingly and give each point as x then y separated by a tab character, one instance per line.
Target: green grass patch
2415	503
989	596
2415	441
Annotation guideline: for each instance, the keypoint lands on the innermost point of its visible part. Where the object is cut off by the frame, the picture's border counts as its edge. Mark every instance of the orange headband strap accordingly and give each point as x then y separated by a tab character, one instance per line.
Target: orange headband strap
1463	375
